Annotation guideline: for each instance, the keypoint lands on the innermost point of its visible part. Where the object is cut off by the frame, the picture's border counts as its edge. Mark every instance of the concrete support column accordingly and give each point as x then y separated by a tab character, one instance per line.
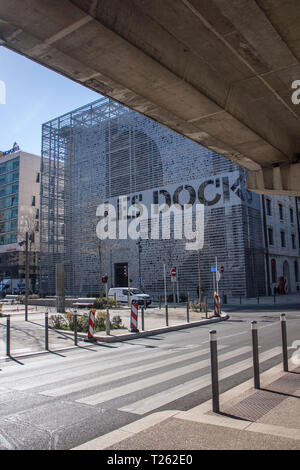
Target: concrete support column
60	288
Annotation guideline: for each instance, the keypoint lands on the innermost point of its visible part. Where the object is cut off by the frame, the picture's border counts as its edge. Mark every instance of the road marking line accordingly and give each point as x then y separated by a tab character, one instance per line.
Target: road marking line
96	366
163	398
84	384
117	392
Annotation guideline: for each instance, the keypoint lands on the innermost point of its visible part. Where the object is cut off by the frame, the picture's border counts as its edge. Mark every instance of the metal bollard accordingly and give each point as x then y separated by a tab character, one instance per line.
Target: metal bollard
107	321
46	332
188	312
284	342
8	335
255	354
75	329
214	371
167	315
143	318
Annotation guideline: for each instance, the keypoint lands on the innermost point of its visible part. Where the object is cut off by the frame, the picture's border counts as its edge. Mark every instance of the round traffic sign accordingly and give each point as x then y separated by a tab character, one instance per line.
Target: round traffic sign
173	272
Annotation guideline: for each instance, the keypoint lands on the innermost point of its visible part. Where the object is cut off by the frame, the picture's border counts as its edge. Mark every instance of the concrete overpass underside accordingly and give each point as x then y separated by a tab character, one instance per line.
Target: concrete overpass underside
219	72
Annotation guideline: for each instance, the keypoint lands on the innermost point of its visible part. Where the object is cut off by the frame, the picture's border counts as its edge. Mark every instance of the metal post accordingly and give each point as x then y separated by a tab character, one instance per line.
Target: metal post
206	312
165	284
188	312
8	335
174	298
214	371
167	315
255	354
160	302
26	275
284	342
258	299
46	332
75	329
107	312
143	318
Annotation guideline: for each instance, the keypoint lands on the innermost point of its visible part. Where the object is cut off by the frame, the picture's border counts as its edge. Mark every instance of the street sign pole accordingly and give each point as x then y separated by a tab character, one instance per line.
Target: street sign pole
165	284
174	280
217	280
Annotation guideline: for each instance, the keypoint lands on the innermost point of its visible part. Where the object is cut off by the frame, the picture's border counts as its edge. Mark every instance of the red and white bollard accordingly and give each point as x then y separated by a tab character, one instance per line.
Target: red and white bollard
217	305
91	325
134	318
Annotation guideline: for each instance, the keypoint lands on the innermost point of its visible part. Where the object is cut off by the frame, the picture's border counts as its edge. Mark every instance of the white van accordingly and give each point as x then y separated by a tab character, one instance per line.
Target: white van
136	295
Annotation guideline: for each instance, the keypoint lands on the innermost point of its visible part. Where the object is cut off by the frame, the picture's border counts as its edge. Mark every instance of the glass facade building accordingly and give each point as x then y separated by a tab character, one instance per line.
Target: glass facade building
9	198
18	187
102	152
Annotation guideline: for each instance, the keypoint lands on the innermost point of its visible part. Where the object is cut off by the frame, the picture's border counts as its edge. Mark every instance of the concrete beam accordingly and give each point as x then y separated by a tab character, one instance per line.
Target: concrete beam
216	71
283	180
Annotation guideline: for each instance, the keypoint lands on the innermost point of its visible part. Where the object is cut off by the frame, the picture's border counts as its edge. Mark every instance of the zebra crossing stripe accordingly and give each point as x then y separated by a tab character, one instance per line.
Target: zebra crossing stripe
84	384
163	398
78	372
120	391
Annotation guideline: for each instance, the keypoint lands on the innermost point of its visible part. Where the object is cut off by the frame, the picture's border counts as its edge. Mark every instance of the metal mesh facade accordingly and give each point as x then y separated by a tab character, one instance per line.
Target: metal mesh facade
102	151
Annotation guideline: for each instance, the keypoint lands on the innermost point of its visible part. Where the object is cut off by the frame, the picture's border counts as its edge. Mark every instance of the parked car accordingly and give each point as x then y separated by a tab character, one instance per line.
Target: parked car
136	295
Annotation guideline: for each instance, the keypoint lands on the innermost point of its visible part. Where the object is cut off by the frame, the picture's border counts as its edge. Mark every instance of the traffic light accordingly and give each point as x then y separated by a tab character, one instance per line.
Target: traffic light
104	279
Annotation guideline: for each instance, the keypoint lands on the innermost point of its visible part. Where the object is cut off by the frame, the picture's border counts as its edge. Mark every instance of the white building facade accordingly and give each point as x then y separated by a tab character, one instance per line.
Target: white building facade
282	243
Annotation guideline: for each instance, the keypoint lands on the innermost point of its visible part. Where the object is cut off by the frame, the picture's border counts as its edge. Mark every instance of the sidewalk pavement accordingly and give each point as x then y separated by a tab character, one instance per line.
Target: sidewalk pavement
270	300
265	419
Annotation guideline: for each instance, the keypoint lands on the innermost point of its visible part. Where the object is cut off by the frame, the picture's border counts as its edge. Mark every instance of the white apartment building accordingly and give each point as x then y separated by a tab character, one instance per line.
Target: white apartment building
281	217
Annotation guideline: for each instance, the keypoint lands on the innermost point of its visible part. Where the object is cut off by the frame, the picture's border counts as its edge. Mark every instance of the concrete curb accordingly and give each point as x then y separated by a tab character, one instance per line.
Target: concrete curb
199	414
156	331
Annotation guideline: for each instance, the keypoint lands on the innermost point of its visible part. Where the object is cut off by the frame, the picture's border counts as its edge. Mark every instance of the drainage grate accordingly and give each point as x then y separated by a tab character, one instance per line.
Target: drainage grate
255	406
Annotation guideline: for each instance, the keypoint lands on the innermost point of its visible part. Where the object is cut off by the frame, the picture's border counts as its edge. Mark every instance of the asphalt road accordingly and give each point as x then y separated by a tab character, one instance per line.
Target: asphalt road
60	400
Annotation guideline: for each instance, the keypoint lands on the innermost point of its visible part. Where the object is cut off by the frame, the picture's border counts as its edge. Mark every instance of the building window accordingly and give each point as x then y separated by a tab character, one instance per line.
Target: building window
293	241
268	206
274	271
296	271
270	236
33	201
292	216
282	235
280	211
37	213
37	180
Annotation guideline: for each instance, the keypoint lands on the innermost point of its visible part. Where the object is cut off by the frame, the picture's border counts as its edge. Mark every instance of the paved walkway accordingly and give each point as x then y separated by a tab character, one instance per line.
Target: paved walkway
268	418
28	337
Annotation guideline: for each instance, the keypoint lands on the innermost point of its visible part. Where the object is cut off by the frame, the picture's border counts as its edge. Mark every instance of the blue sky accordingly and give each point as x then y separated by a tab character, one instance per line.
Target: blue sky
34	95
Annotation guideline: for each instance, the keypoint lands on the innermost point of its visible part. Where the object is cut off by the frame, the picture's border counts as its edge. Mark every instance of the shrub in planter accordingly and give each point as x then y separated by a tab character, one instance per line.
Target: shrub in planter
101	303
116	322
58	322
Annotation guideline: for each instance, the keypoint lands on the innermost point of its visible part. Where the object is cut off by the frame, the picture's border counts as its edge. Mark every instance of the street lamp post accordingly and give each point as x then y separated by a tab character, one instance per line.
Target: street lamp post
26	243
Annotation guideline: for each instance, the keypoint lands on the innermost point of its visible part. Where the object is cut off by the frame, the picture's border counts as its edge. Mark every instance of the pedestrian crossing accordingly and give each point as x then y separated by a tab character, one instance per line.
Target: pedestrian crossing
131	379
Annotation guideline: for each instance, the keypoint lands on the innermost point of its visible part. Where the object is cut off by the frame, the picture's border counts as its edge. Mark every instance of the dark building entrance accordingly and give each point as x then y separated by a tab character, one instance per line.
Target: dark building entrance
121	275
